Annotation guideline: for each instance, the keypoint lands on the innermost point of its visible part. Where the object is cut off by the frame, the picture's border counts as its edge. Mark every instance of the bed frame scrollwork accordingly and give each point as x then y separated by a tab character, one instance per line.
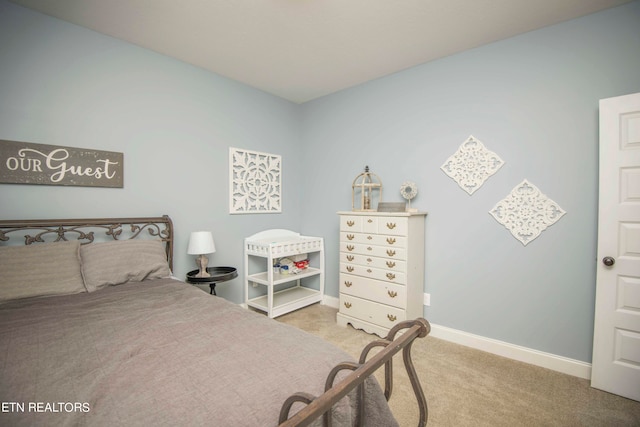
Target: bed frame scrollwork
321	405
89	230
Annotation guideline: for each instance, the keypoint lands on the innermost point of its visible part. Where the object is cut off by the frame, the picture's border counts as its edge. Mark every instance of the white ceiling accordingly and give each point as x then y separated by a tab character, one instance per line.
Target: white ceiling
304	49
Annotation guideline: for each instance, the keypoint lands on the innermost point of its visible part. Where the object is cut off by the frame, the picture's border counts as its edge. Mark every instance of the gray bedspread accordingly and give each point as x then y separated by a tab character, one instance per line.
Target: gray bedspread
160	353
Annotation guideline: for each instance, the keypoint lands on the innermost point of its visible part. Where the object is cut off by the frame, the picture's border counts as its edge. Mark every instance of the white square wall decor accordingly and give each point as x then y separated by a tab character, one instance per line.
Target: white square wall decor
471	165
255	182
526	212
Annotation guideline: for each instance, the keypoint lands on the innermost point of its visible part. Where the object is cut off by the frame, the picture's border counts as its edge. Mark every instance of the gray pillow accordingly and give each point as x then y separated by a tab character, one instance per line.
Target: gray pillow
121	261
40	269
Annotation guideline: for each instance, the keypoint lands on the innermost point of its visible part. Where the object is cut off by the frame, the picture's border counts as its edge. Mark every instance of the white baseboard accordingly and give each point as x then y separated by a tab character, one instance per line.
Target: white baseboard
332	302
523	354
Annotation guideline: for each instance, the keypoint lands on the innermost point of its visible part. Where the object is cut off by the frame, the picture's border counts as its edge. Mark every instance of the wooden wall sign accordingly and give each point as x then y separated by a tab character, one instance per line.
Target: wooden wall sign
28	163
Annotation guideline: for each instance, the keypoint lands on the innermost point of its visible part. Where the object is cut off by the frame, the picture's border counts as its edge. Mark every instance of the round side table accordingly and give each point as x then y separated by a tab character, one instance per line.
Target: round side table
218	274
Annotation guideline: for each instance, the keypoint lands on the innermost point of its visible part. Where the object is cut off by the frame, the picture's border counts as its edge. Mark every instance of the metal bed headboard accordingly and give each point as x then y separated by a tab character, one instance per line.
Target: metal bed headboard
89	230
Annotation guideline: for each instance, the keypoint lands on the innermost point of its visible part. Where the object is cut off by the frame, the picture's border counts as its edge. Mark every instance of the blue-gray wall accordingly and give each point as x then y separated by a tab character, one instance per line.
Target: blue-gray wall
533	99
61	84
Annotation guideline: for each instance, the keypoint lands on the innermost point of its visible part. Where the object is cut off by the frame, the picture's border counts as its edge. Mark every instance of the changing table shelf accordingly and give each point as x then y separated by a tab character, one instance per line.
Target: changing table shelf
263	277
273	245
286	301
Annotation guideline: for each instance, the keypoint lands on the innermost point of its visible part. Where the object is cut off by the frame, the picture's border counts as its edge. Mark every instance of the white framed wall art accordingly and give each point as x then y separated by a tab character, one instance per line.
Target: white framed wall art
526	212
472	164
255	182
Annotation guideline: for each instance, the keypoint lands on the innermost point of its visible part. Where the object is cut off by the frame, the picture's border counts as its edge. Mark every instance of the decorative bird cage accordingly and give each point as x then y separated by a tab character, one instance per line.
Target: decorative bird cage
366	191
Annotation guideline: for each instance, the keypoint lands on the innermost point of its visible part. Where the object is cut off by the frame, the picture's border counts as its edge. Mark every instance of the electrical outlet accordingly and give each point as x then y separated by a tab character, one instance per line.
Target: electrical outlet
427	299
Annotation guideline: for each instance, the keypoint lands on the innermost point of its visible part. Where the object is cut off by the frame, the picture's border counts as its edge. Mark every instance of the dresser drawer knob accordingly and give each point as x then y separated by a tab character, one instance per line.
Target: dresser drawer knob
391	240
391	264
350	247
350	223
369	248
350	236
369	260
391	317
347	304
391	253
369	220
349	268
391	276
369	237
350	257
348	284
391	225
392	294
368	270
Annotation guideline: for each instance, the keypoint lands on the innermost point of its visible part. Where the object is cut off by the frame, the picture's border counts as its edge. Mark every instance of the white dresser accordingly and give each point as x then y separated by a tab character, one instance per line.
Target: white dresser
381	269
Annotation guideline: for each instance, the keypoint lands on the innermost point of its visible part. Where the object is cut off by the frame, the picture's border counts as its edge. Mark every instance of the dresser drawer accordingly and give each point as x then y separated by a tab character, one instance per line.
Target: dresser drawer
374	239
386	293
396	226
376	313
393	226
373	261
374	273
389	252
359	224
351	223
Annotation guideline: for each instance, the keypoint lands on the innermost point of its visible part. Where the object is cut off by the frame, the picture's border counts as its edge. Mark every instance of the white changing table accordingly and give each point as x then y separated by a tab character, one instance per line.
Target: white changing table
275	244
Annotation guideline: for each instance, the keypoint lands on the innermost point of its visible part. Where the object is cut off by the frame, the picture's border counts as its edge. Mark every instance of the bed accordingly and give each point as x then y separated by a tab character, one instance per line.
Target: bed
94	331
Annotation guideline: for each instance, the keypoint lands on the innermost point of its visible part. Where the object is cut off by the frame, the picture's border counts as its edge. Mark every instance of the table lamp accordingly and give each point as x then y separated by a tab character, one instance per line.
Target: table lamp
201	244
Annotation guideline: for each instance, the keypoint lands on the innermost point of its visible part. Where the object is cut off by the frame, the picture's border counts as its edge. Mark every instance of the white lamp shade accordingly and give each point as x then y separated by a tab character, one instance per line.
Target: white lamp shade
201	242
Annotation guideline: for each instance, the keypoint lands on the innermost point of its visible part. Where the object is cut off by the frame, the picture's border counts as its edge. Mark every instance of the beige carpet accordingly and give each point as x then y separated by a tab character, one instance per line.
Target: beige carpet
468	387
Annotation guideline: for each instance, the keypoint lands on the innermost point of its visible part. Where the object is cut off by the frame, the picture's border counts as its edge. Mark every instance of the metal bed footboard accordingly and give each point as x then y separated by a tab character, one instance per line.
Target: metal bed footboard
321	405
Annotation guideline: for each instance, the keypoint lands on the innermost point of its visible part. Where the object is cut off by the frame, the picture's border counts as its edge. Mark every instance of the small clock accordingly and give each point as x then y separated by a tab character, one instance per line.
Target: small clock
409	190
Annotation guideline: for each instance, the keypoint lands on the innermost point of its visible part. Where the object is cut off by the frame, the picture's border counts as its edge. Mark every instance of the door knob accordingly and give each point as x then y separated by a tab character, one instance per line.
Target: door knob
608	261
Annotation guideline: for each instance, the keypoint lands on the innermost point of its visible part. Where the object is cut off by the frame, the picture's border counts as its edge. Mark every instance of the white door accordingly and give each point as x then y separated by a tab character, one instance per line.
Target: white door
616	339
